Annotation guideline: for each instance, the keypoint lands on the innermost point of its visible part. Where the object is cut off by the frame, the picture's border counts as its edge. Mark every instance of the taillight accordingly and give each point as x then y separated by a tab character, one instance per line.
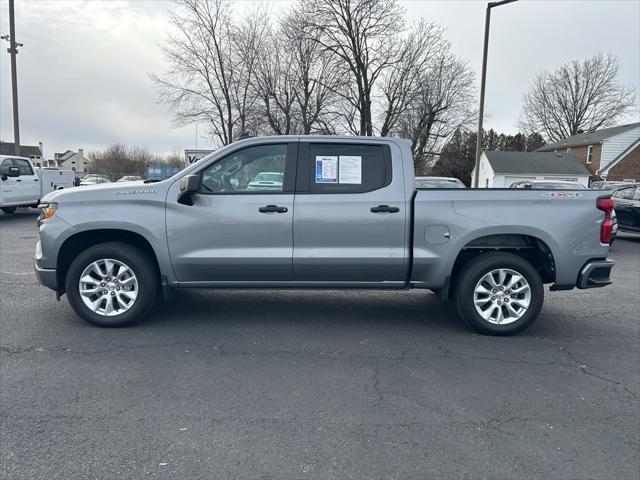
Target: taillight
606	205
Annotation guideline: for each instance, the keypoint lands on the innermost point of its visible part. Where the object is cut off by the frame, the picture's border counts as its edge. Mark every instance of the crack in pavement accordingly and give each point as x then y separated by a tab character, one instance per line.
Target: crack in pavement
584	368
396	360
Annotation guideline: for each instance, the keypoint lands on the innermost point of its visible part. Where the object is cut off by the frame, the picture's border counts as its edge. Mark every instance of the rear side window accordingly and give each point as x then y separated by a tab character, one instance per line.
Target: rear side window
23	166
343	168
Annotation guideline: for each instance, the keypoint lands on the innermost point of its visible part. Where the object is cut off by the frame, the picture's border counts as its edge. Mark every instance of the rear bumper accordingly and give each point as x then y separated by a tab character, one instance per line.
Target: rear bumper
595	273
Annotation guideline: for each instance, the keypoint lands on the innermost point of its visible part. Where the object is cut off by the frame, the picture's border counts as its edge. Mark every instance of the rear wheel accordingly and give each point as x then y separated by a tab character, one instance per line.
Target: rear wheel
112	284
9	210
498	293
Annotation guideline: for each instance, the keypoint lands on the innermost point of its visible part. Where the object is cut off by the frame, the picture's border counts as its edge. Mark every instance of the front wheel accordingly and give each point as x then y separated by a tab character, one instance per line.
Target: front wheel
9	210
498	293
112	284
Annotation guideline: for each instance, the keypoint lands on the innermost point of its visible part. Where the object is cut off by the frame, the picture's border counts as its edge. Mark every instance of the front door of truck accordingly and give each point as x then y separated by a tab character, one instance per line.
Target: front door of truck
239	229
350	225
21	190
28	182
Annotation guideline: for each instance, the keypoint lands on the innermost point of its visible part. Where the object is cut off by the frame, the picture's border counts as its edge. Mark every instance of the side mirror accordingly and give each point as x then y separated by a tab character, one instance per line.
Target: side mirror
189	185
13	172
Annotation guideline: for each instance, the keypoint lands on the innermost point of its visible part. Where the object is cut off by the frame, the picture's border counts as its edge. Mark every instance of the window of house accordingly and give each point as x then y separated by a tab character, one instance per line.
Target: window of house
257	169
344	168
569	150
589	154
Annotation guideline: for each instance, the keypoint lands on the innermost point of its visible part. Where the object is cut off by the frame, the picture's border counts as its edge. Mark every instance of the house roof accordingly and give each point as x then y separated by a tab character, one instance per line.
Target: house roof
7	148
588	138
547	163
63	156
620	157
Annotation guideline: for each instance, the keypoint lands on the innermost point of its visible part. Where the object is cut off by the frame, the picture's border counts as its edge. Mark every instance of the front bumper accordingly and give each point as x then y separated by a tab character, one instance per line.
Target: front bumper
595	273
46	276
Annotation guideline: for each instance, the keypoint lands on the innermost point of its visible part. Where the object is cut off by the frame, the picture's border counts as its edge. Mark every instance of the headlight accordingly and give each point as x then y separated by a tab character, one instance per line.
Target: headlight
47	210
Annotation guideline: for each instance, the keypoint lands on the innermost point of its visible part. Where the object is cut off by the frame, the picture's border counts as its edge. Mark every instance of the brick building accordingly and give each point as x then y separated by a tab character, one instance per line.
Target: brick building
610	153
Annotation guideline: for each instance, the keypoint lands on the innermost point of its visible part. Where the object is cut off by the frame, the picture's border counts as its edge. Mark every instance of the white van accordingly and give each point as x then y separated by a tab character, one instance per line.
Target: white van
22	185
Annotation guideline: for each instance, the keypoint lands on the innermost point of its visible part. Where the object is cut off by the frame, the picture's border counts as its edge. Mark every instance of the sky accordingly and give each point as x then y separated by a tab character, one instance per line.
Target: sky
83	73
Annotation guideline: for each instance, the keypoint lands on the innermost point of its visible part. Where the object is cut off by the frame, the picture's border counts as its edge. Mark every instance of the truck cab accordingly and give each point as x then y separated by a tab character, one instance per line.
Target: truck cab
19	183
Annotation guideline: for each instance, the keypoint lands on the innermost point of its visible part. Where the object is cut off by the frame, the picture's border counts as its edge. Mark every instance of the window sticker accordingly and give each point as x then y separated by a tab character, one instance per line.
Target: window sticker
350	169
326	169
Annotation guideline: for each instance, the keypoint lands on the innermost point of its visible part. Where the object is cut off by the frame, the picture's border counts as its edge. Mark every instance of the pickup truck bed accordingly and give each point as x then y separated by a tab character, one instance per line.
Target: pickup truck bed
345	214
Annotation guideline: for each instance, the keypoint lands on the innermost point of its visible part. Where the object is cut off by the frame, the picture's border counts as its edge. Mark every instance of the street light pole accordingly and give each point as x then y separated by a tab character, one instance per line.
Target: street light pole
483	79
13	50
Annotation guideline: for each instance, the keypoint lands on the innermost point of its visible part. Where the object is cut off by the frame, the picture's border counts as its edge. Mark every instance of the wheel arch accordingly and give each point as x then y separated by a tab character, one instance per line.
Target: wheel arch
531	248
80	241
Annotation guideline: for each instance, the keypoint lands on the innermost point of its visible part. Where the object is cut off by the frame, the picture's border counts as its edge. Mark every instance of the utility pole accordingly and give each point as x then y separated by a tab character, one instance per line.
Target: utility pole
483	78
13	50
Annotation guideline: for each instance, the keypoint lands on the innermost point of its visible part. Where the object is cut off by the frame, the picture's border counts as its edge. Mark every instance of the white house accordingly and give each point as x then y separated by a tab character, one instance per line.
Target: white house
71	160
501	169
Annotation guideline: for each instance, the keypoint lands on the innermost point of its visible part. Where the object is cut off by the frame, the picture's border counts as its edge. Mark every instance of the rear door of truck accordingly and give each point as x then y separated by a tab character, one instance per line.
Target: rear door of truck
351	216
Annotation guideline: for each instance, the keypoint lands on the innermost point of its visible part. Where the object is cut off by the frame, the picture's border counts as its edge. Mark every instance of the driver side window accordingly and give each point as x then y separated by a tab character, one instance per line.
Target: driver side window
257	169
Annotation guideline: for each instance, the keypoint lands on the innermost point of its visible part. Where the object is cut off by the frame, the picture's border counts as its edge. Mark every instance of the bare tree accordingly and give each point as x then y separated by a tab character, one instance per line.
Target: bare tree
358	34
578	96
316	75
401	81
175	158
210	65
120	160
275	84
440	106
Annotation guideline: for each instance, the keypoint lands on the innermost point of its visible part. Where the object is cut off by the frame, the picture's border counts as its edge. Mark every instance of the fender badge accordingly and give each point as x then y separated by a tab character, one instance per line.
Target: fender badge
562	195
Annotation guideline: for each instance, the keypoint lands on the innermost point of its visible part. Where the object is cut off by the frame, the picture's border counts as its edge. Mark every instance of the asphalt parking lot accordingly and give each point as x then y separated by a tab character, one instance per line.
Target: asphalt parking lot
341	385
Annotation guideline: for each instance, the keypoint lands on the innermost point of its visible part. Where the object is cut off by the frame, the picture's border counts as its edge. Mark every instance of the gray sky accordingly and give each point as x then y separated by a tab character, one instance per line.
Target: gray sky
83	79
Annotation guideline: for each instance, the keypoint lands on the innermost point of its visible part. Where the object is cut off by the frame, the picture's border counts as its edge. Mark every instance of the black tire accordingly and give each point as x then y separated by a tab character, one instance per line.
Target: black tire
137	260
469	276
9	210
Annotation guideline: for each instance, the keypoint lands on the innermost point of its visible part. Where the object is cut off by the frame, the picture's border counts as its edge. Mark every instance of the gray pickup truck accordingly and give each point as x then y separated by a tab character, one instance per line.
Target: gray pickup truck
320	212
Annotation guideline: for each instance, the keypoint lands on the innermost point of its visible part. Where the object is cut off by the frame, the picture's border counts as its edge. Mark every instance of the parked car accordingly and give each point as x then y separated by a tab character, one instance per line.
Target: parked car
438	182
94	180
606	185
266	181
23	185
129	178
548	185
347	216
627	207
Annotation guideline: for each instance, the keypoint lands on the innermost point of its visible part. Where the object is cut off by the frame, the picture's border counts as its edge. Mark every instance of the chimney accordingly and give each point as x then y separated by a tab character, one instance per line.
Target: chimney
80	152
41	149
